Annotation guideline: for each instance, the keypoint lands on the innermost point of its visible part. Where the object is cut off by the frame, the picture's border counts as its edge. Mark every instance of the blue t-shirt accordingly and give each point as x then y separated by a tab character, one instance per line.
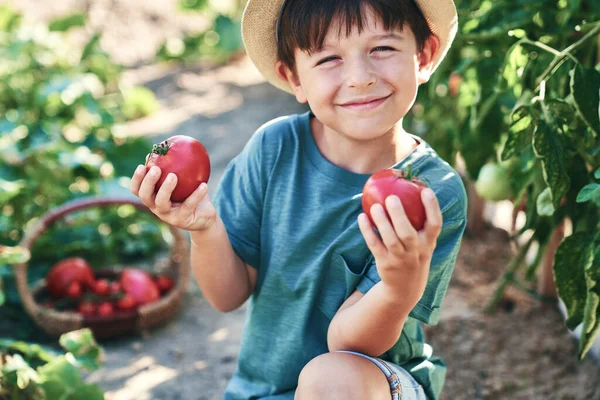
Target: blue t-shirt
292	214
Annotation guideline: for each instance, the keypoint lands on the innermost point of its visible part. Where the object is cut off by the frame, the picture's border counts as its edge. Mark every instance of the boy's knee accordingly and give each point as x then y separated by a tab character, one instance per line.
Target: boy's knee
329	376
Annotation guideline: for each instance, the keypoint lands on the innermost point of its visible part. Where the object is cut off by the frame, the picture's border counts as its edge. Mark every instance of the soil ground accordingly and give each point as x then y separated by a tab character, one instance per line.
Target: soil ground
523	351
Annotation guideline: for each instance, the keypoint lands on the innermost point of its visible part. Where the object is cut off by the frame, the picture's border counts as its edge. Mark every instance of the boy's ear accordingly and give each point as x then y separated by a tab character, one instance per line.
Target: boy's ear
432	46
284	72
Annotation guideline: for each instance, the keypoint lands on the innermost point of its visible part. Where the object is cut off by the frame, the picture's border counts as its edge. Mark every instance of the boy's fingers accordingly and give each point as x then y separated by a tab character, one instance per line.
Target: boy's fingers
433	214
163	197
402	226
136	179
196	197
386	230
373	242
146	192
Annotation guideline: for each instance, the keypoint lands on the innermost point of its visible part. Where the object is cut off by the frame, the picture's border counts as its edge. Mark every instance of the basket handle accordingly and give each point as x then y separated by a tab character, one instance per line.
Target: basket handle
46	221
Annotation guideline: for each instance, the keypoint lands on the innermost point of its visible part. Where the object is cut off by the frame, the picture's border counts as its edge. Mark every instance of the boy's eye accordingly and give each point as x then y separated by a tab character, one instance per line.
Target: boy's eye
383	48
326	59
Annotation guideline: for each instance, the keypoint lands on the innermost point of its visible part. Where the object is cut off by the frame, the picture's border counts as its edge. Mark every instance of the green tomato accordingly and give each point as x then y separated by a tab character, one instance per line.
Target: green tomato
493	183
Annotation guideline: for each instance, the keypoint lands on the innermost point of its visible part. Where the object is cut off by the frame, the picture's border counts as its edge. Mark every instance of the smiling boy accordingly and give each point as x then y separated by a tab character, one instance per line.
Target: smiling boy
336	305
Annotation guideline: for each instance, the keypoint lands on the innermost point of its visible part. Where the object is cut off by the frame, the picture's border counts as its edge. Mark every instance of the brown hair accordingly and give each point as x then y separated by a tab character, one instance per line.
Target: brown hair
305	23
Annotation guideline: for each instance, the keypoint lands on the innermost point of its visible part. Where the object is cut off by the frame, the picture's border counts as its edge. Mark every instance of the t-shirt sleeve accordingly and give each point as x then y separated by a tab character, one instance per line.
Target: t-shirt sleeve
442	264
238	200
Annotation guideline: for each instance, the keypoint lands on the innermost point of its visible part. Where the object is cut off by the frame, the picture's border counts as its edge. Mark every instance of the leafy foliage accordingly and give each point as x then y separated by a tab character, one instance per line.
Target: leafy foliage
521	87
31	372
218	42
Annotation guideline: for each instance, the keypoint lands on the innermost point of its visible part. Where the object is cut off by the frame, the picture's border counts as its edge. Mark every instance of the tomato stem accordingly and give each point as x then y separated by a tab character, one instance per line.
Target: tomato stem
409	174
162	148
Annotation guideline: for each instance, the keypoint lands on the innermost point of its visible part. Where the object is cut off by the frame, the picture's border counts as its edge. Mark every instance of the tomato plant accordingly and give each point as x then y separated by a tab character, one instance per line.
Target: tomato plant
184	156
521	85
403	184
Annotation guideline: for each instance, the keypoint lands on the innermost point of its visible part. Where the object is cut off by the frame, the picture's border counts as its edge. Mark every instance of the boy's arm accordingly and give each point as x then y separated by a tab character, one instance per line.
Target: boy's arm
372	323
225	280
381	314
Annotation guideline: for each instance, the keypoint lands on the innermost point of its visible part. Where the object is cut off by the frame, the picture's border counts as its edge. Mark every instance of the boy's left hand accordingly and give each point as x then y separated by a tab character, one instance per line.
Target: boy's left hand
402	254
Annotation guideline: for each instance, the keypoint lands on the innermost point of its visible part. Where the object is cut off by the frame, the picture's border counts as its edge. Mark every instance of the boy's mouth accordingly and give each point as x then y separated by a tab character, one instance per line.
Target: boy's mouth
366	103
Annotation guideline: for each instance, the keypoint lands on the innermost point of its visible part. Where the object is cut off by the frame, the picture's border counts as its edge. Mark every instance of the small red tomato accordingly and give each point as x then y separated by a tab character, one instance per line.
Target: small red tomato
102	287
115	287
86	308
105	308
395	182
127	302
74	290
184	156
164	283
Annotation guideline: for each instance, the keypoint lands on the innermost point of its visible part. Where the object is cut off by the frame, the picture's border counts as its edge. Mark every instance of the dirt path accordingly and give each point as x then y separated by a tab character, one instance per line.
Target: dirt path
522	352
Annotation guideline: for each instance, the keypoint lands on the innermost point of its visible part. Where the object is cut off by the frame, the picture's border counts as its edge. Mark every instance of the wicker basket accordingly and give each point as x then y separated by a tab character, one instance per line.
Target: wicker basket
55	322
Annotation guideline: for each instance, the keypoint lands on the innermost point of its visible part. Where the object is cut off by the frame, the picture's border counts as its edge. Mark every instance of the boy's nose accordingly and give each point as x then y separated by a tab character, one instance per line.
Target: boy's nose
359	75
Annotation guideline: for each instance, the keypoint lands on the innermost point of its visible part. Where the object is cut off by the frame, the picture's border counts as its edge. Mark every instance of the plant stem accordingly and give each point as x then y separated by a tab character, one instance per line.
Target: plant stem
561	57
508	275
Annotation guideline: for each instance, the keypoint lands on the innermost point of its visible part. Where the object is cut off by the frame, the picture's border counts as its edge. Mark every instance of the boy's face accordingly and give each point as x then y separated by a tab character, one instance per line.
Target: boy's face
362	84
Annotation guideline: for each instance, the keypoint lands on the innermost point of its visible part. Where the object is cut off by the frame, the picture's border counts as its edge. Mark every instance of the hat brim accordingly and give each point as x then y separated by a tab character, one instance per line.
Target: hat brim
260	19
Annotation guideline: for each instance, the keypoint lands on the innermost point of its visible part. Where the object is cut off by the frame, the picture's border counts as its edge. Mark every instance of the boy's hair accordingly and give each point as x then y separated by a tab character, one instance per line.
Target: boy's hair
305	23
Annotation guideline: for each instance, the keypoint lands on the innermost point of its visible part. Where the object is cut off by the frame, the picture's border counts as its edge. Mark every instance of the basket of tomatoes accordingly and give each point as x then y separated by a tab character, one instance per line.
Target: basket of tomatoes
111	301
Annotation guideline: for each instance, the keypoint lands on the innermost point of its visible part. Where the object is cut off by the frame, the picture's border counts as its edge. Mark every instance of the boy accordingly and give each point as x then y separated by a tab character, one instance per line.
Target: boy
329	292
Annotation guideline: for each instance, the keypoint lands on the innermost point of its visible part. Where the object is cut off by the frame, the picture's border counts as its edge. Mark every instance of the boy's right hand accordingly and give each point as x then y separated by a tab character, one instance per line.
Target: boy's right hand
195	213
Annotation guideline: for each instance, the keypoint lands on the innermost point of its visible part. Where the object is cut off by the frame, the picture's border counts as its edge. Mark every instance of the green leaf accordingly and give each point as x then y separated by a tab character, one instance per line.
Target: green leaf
520	132
60	368
589	192
193	5
544	204
9	190
591	316
574	255
90	47
549	148
138	102
9	19
65	23
82	345
597	174
585	87
230	33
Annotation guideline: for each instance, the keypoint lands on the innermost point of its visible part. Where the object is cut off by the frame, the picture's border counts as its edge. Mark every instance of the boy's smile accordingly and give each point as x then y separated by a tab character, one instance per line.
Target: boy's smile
360	85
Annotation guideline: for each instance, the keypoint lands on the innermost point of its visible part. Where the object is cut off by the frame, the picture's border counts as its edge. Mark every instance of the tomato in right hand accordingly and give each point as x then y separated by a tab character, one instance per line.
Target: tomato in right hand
185	157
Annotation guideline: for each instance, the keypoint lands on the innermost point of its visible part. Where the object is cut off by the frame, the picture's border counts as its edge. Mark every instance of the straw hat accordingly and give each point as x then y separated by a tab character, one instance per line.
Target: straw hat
259	26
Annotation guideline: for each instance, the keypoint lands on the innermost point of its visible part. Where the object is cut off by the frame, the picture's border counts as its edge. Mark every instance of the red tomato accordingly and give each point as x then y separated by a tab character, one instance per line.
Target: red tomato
67	271
115	287
102	287
139	285
105	309
86	308
395	182
184	156
74	290
164	283
127	302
